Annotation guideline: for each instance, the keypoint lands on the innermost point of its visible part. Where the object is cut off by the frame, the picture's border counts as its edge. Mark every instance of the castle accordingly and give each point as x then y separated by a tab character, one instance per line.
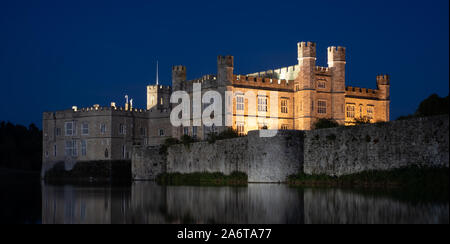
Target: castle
306	93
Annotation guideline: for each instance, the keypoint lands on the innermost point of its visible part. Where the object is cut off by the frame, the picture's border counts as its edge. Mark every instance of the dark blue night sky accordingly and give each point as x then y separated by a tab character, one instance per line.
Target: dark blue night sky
55	54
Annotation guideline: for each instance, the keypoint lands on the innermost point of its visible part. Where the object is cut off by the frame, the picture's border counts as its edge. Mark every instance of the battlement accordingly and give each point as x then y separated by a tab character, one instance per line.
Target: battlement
336	53
383	79
323	70
306	44
112	108
178	68
285	73
225	60
159	87
306	50
361	92
262	82
203	79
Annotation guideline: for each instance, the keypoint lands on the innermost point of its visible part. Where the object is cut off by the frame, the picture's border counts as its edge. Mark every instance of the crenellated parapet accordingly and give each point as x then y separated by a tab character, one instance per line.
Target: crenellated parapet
203	79
383	80
285	73
361	92
259	82
159	88
94	110
323	70
336	54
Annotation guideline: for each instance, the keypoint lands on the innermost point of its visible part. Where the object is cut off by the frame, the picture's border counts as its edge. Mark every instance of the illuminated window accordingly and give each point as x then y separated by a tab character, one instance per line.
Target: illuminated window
262	104
350	110
284	106
240	128
321	84
240	103
370	111
321	107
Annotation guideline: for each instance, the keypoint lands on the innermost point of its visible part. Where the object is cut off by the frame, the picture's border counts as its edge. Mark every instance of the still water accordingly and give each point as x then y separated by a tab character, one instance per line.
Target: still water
149	203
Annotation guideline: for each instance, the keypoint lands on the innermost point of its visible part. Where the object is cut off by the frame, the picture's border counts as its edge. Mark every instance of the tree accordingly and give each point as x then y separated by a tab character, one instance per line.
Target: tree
325	123
433	105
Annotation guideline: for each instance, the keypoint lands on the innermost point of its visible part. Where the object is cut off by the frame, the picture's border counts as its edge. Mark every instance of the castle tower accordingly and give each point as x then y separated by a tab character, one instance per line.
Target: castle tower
383	84
305	86
336	61
178	77
225	67
158	97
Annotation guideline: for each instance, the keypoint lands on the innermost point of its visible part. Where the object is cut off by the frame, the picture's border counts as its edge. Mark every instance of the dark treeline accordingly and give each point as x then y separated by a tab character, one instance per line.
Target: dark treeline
433	105
20	147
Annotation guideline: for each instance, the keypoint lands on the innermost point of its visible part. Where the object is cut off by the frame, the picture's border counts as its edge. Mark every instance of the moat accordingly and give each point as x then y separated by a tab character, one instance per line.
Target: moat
25	199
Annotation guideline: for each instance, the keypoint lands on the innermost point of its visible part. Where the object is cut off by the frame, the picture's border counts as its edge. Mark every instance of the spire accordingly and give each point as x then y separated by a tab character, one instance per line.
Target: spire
157	78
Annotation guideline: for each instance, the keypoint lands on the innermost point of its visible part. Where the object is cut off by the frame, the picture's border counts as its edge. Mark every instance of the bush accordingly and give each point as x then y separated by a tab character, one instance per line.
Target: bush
186	139
229	133
362	120
325	123
167	143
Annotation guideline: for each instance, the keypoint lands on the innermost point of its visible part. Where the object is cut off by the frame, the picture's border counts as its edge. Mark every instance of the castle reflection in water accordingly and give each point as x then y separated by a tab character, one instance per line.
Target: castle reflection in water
149	203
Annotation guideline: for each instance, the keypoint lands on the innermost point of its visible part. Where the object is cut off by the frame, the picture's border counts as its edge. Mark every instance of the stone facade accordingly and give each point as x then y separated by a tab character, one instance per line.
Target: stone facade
263	159
336	151
347	150
304	93
92	134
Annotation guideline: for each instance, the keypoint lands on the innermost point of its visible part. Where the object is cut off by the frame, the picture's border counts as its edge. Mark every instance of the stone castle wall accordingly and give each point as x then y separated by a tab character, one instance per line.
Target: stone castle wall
384	146
263	159
336	151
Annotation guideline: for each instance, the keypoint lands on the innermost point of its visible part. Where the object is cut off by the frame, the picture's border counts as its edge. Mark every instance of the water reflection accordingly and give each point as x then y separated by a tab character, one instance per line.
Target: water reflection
146	202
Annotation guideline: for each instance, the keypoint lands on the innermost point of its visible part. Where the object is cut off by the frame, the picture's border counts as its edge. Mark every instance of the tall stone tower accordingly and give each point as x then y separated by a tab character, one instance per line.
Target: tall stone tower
383	84
336	61
225	67
158	97
178	77
304	86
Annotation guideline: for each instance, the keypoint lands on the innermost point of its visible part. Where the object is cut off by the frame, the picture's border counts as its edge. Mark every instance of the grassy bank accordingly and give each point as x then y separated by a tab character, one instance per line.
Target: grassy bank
203	178
402	177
